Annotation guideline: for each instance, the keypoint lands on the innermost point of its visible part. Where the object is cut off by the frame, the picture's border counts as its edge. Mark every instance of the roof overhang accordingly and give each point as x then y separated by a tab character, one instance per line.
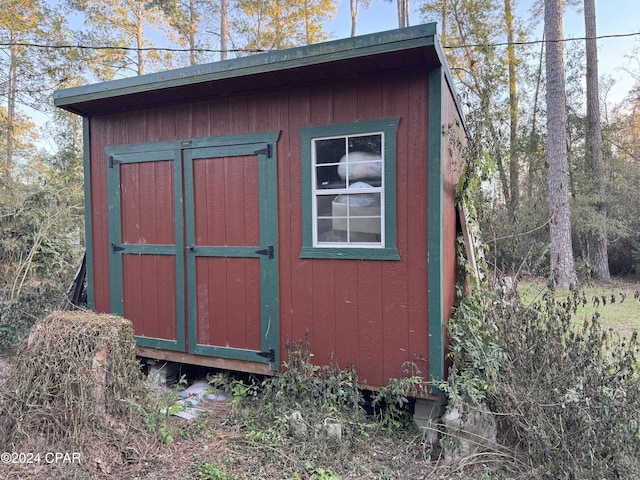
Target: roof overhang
345	58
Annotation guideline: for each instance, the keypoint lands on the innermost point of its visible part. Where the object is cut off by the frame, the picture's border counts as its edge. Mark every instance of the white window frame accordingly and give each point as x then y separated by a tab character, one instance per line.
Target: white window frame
385	248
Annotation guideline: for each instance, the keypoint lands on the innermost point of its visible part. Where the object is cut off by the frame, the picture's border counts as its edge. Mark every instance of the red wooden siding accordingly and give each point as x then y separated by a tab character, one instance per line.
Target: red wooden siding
370	313
228	295
226	211
226	197
149	288
147	211
452	165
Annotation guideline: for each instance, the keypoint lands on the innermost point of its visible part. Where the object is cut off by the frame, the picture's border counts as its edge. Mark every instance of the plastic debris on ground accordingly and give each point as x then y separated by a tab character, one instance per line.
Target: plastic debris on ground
193	398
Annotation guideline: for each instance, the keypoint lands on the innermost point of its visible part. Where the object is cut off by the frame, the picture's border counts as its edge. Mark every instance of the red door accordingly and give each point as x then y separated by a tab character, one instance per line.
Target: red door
146	239
195	270
231	236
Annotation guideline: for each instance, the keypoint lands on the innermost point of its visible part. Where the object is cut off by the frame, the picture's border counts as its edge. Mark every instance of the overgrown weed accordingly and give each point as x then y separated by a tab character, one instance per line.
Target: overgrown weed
310	420
568	397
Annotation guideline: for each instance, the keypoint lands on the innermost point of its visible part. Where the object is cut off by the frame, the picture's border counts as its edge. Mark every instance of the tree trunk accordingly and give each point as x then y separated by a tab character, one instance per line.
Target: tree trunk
561	250
514	164
224	28
598	237
193	57
354	16
12	87
140	45
403	13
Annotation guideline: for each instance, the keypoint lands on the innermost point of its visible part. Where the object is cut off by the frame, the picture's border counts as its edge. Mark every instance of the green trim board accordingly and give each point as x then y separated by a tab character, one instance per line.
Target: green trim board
267	178
260	138
389	126
88	223
434	225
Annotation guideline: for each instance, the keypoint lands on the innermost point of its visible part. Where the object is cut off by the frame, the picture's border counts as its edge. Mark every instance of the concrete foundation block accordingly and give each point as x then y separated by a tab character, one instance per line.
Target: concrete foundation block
161	372
426	415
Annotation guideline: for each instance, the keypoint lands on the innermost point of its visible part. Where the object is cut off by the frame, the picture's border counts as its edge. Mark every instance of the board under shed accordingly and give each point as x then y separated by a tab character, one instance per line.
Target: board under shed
238	207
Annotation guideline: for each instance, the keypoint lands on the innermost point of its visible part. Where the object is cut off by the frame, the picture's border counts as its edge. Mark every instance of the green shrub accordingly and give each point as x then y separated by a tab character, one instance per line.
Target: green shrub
18	316
568	397
317	392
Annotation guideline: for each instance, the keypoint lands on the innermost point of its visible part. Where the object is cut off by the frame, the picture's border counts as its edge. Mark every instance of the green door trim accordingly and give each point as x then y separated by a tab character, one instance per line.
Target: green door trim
264	146
122	155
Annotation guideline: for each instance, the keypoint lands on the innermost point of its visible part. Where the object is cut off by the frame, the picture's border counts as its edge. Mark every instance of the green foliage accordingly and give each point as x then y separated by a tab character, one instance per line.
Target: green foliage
209	471
156	407
317	392
472	331
240	390
568	397
317	473
391	402
155	414
313	413
274	25
18	316
40	231
474	349
635	256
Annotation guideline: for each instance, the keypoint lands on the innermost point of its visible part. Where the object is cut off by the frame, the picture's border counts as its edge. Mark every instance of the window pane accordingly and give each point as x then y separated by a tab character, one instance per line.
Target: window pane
364	229
360	200
328	153
326	233
323	204
357	213
363	162
366	143
327	177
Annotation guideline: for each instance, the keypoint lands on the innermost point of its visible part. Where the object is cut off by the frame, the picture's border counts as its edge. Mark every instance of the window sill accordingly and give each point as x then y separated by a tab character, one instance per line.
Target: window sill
350	253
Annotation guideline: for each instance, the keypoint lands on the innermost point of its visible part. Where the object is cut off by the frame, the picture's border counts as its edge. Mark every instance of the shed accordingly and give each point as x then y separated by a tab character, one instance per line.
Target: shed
236	207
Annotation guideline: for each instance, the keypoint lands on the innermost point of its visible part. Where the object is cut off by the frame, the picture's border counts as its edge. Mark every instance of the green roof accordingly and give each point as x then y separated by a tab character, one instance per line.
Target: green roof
393	49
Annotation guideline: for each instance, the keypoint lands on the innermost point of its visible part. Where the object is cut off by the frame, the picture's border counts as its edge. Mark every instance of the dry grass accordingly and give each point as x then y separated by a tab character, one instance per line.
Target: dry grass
617	302
66	390
69	388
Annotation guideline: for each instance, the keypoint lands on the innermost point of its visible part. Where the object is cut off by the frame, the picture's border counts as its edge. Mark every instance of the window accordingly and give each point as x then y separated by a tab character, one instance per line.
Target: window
349	190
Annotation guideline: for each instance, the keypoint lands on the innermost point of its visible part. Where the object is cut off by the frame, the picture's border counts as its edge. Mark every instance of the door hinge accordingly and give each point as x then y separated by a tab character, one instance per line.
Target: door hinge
116	248
113	161
266	251
268	151
269	354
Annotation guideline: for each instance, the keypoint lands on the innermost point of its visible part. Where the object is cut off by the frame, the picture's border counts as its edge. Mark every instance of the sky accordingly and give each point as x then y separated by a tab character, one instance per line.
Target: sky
612	17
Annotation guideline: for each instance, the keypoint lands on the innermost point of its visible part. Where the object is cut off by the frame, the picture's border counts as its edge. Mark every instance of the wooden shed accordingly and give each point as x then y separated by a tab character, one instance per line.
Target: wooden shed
235	207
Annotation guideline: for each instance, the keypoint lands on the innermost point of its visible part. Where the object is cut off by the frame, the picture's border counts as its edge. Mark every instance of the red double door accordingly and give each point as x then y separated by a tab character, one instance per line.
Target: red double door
193	238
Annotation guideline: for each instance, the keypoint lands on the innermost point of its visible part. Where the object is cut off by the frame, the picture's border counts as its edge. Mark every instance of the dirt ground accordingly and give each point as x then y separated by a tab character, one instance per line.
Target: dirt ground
195	442
211	447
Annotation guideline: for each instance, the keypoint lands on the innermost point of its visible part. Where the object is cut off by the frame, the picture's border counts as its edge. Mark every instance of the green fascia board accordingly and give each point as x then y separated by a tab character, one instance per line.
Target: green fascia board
337	50
87	213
